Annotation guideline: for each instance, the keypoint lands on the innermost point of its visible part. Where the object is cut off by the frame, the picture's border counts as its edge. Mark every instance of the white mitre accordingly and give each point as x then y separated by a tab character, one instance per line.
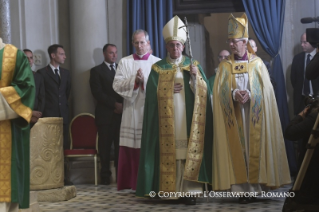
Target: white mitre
1	44
171	30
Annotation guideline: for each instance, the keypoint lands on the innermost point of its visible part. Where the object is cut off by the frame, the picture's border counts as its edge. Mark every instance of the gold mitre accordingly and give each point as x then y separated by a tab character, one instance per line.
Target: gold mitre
171	30
237	27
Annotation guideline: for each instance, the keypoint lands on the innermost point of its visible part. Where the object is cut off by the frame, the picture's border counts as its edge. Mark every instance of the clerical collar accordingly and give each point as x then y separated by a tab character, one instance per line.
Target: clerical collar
141	57
245	57
175	61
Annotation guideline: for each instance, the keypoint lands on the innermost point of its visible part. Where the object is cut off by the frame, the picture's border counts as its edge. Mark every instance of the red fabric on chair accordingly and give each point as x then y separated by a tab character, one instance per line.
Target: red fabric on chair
83	132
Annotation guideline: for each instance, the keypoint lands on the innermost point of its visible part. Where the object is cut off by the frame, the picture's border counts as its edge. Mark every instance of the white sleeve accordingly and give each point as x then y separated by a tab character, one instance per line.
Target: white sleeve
124	82
6	111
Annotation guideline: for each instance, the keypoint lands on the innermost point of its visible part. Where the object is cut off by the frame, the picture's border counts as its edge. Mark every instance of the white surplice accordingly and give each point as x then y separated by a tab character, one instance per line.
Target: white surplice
133	104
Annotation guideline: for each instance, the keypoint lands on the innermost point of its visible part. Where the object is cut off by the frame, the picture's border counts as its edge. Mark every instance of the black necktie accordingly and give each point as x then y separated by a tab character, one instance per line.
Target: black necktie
57	75
112	69
306	85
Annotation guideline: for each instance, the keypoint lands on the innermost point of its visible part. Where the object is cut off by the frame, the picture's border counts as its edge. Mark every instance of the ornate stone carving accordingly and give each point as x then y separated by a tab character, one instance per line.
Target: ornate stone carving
46	154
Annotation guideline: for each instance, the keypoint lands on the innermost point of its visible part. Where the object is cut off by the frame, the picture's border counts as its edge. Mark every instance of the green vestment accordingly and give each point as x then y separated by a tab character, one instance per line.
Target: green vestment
150	167
18	89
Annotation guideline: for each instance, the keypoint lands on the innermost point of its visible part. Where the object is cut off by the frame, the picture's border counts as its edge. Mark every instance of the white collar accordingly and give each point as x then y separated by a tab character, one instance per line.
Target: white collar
175	61
54	67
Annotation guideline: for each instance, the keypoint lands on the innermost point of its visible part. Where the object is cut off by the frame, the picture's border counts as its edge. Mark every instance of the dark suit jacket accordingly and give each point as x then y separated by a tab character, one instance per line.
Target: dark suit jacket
297	79
101	83
39	101
312	71
56	96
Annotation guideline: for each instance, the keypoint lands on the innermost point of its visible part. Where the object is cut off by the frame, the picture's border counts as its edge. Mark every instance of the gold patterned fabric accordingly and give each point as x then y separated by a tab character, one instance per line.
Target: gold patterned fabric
8	66
167	131
158	167
267	161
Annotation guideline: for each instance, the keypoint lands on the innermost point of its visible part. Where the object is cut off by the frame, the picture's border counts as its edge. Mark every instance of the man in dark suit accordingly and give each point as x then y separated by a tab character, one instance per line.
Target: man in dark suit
108	111
303	87
57	81
39	101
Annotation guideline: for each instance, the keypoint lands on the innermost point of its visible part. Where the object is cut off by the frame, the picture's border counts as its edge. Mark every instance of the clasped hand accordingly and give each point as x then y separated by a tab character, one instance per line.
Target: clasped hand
139	76
242	96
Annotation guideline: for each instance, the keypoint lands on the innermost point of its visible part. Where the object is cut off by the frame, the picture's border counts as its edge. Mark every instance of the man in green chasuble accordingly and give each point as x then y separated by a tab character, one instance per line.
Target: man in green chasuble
17	93
177	127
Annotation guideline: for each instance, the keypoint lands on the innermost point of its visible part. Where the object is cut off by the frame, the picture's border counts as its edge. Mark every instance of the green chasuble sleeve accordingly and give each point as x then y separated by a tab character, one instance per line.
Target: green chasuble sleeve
211	82
149	165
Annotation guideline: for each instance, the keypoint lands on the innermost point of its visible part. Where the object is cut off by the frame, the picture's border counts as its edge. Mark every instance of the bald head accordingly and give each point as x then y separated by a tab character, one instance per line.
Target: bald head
222	55
306	46
253	45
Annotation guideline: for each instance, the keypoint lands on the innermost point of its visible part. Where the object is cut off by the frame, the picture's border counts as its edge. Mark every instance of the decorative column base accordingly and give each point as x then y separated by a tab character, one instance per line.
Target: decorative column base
58	194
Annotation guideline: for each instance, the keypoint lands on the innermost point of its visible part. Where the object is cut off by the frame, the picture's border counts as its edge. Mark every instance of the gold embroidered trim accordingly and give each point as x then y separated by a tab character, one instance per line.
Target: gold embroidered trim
8	92
175	26
256	119
174	38
239	68
5	160
8	66
197	134
231	125
165	92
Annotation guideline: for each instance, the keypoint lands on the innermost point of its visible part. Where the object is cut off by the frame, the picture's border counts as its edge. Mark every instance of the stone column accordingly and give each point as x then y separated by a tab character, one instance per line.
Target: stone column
88	30
5	25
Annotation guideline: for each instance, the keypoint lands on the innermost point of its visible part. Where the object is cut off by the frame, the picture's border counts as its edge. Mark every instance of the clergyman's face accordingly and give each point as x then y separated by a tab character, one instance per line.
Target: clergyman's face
175	49
237	46
140	44
223	55
30	57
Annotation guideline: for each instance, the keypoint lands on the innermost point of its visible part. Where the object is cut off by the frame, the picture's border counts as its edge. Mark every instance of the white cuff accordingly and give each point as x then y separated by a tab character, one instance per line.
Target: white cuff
234	94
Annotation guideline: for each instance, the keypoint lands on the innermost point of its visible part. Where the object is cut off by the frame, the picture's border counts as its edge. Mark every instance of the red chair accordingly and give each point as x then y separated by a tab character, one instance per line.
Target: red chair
84	137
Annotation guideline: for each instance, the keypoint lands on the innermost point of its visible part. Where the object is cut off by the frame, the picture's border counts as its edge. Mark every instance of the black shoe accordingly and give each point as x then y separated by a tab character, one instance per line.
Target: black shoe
252	199
67	182
190	201
105	181
243	200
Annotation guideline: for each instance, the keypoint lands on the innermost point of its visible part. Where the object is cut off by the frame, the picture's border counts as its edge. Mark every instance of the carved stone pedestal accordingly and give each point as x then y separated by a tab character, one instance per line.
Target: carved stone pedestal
46	154
47	161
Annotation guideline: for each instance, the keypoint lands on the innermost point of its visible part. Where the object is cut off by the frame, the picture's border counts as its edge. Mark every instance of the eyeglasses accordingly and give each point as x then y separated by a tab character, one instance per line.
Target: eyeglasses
222	56
232	41
177	45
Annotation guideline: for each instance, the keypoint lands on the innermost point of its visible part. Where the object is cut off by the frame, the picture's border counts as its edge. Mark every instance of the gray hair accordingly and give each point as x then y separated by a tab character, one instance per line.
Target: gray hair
140	31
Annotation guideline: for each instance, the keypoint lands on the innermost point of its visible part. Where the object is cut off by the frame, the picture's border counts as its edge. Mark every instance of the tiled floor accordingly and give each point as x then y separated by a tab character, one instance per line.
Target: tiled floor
107	198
